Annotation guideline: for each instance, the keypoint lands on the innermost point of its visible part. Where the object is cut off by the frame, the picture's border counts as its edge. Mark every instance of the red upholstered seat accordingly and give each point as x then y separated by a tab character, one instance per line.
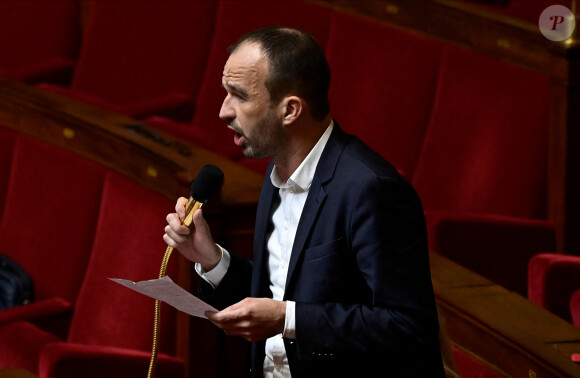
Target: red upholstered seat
7	138
552	279
383	87
110	319
128	244
48	226
141	58
485	155
469	366
207	129
575	308
39	39
62	360
20	345
111	329
485	150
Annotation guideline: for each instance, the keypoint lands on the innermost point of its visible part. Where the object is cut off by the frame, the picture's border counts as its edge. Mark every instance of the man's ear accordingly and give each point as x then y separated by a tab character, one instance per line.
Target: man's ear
292	109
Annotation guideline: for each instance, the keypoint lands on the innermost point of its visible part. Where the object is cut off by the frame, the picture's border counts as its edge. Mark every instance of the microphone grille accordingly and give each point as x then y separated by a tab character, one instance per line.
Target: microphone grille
207	183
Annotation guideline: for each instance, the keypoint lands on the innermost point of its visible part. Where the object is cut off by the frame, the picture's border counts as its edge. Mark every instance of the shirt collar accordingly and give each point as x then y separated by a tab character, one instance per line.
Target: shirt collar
302	177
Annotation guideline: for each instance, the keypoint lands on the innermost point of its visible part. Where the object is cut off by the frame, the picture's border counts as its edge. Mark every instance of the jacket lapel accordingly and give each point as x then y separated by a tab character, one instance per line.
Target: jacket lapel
263	217
316	197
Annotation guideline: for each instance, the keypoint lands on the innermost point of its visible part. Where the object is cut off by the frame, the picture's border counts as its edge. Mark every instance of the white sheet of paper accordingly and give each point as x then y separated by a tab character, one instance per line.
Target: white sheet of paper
164	289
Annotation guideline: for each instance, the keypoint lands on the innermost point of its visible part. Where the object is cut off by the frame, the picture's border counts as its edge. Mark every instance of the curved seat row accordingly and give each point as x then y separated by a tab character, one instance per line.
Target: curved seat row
468	131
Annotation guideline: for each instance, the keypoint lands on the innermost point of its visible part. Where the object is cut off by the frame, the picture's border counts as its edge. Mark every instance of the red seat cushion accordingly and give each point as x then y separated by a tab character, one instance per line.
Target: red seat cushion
21	344
68	360
469	366
552	279
7	138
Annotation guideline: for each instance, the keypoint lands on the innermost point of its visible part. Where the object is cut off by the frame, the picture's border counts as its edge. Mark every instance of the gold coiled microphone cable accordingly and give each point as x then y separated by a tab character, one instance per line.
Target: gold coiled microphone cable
205	186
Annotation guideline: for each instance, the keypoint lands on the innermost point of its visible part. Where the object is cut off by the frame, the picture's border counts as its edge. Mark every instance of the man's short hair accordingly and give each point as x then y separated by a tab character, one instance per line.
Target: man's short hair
297	65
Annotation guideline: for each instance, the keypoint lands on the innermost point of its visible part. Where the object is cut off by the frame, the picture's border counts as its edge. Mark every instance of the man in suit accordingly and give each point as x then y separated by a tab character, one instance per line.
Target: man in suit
340	283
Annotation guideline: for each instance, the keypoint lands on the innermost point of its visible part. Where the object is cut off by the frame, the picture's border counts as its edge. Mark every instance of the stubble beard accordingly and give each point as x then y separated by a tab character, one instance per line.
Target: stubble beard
264	140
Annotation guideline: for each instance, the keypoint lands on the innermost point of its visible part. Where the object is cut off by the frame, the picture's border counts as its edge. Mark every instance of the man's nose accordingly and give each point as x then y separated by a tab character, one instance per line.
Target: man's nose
226	111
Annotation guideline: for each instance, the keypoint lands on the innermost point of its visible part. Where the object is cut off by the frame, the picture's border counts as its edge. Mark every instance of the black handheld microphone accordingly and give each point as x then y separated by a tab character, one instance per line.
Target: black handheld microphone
206	185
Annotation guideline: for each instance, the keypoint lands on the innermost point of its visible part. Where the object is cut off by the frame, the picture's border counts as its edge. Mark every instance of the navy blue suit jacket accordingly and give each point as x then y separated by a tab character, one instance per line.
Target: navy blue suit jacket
359	272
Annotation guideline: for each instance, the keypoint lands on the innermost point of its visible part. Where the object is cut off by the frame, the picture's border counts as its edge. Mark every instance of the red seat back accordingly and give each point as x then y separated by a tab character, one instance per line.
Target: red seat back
129	245
383	86
35	32
136	51
50	216
485	150
575	308
7	139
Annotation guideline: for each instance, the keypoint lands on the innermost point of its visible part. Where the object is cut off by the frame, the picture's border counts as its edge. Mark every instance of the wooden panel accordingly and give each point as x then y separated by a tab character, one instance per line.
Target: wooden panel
466	24
119	142
500	327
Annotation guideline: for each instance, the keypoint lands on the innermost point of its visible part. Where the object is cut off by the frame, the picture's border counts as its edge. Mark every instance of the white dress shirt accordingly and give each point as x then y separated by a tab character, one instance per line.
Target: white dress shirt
285	218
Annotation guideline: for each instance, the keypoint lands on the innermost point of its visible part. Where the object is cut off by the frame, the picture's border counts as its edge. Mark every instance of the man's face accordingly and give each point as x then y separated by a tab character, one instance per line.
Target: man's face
247	106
